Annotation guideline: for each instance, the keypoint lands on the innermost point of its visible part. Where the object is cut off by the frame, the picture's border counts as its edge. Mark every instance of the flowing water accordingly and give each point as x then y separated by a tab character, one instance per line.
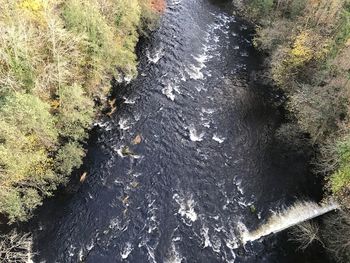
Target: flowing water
294	215
201	170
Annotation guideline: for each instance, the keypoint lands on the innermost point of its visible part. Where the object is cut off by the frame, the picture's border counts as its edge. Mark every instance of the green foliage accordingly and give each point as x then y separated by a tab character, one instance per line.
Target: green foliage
111	35
16	65
27	133
340	179
343	32
75	113
260	8
83	17
69	157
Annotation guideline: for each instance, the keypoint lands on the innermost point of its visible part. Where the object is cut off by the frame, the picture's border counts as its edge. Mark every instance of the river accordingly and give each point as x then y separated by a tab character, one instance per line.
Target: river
201	169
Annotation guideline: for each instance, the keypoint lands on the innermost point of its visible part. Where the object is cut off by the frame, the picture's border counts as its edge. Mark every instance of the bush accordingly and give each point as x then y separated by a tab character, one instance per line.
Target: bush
69	157
305	234
335	233
75	113
15	247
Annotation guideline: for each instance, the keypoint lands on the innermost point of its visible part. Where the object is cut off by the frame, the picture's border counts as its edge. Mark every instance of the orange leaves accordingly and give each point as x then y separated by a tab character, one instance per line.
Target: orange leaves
158	5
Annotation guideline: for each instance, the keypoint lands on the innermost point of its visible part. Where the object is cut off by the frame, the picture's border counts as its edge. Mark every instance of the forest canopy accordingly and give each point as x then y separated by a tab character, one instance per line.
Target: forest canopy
56	58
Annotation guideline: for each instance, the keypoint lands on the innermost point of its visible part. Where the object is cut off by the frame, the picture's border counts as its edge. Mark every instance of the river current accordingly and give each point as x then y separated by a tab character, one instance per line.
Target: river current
184	165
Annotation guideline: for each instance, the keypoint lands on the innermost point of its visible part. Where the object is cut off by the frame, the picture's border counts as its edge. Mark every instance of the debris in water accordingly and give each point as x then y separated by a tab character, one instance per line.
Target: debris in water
135	184
112	107
83	177
126	200
126	150
137	140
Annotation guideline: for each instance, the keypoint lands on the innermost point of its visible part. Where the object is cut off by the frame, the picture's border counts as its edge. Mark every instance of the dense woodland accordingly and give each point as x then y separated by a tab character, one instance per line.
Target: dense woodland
56	60
308	47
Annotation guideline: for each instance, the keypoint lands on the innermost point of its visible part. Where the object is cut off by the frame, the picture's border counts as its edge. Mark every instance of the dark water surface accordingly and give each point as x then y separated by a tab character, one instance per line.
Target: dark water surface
203	166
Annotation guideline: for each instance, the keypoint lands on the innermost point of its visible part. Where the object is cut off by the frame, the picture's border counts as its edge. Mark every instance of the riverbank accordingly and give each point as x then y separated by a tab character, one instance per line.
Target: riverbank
307	44
57	62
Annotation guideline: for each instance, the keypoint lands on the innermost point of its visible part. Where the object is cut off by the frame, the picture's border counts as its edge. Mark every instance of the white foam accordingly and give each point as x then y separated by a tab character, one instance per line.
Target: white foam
158	54
218	139
127	79
195	136
201	59
231	241
208	111
186	209
120	151
173	255
80	255
169	92
206	124
71	250
100	124
123	124
128	248
175	2
129	101
216	243
195	72
90	246
205	233
296	214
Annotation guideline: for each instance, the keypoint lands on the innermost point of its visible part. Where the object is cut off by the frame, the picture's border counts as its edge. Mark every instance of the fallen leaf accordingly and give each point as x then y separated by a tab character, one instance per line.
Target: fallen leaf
83	177
135	184
137	140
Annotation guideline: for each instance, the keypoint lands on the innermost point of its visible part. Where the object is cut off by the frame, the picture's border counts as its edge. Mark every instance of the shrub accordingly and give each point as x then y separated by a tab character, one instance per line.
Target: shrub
340	179
335	233
69	157
75	113
15	247
305	234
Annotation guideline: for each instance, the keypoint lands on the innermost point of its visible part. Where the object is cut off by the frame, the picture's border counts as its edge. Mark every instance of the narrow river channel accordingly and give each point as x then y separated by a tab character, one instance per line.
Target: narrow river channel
200	170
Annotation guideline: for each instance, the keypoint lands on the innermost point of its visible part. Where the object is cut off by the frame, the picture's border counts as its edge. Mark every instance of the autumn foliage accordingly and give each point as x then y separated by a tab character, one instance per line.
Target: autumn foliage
309	56
56	59
158	5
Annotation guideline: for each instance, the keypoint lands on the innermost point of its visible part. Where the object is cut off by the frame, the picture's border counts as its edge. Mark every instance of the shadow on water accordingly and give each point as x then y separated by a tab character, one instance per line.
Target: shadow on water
207	162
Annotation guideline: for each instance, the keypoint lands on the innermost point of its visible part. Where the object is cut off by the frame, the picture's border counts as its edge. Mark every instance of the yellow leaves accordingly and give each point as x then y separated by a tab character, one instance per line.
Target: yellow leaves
55	104
307	46
347	43
301	52
34	9
34	6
